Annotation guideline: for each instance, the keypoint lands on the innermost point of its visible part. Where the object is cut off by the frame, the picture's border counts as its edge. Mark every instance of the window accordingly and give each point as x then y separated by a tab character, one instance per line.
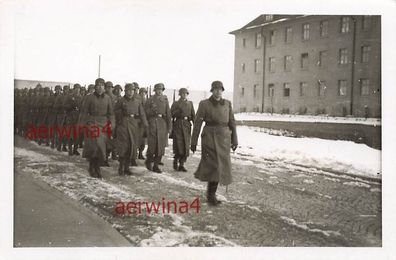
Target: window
324	28
303	87
268	17
242	92
364	87
272	37
343	56
286	89
255	90
342	87
258	40
365	53
271	90
344	25
322	58
321	88
243	67
305	31
366	22
288	60
304	61
271	64
257	65
288	34
244	42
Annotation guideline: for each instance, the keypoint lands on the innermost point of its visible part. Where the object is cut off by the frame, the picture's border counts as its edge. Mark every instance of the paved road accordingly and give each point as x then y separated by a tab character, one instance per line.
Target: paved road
270	203
44	217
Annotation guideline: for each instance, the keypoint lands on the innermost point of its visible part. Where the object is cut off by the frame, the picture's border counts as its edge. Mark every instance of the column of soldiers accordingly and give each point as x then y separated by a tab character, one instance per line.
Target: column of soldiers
135	120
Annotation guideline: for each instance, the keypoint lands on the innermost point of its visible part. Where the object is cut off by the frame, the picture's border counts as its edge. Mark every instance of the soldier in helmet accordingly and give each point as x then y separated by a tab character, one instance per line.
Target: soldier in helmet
159	119
44	108
97	111
72	105
218	136
117	92
111	148
130	114
61	119
182	114
143	130
53	106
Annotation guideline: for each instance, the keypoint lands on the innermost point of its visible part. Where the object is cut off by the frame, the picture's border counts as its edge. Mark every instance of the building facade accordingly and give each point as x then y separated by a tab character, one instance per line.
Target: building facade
309	64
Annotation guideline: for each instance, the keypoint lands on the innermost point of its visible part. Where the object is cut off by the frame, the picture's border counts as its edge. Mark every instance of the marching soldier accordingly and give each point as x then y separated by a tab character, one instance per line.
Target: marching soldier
53	107
130	114
218	135
159	119
61	118
143	130
111	148
43	112
72	105
117	93
182	114
97	111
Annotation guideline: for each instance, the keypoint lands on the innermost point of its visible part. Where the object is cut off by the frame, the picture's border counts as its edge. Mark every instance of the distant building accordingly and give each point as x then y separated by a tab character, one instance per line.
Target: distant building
309	64
24	83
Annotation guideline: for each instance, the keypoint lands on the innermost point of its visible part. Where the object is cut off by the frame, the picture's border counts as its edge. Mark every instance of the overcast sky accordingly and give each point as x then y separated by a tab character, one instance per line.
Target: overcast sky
180	43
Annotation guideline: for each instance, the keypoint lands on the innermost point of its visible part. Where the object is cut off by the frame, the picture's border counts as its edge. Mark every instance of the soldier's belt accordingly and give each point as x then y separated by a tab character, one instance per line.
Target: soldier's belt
159	115
133	116
216	124
184	118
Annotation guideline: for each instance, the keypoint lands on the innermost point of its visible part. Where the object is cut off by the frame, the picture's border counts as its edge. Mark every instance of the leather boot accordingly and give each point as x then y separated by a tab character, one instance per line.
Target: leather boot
211	194
64	149
157	160
70	149
91	169
175	164
149	163
126	167
121	166
181	167
97	170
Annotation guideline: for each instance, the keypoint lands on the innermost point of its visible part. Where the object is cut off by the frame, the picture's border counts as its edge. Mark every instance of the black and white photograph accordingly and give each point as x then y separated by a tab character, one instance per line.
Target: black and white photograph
250	125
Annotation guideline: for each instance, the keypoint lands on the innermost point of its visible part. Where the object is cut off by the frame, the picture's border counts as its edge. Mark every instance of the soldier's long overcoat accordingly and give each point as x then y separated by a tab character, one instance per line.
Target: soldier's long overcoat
182	114
159	120
97	111
129	114
217	136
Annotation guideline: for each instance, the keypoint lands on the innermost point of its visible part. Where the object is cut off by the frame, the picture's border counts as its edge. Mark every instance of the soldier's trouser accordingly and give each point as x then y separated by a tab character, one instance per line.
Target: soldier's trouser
212	188
180	158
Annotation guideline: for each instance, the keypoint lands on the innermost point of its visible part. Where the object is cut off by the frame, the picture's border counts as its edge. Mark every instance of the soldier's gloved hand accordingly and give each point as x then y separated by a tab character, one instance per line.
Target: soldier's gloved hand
193	148
234	147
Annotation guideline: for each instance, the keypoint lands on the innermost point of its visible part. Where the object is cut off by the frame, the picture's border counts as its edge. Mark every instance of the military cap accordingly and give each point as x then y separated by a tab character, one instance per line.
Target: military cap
118	87
76	85
136	85
91	86
129	86
38	85
66	87
58	87
183	90
159	86
216	84
99	81
142	90
108	84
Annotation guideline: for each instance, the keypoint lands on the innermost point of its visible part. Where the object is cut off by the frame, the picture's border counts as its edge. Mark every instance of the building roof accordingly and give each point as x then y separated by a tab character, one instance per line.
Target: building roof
262	20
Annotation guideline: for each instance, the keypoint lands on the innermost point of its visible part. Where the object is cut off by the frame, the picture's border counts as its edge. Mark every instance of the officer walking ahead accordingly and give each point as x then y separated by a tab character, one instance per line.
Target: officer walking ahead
182	114
129	113
218	135
159	120
97	111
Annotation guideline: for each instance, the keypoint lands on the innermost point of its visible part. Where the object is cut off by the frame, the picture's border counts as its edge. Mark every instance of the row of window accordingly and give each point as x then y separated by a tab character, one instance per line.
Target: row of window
345	27
343	54
321	88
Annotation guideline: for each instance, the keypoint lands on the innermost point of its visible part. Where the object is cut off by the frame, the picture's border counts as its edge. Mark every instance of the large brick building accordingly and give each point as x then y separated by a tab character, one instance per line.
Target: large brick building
309	64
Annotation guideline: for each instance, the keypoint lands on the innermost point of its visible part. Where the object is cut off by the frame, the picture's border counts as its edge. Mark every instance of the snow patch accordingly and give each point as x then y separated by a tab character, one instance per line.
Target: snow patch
292	222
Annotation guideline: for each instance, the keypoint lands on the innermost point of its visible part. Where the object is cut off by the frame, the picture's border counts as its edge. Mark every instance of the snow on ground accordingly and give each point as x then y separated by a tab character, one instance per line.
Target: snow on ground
306	118
340	156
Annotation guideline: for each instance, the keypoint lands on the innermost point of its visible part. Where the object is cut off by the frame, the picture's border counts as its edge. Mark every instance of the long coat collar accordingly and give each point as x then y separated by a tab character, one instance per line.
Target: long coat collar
215	102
